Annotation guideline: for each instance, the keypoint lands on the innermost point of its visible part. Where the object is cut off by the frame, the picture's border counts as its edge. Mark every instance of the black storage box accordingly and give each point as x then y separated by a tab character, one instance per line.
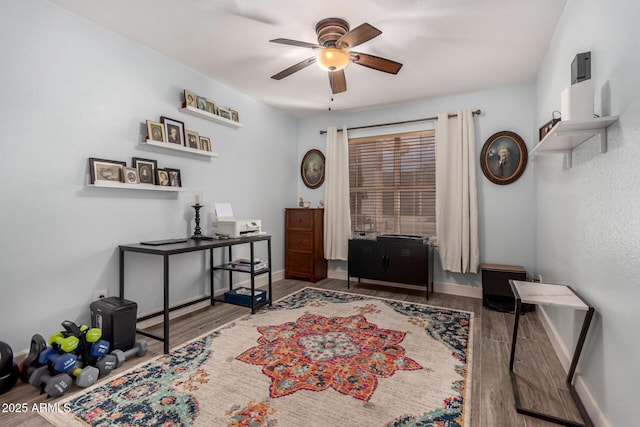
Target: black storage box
242	296
117	318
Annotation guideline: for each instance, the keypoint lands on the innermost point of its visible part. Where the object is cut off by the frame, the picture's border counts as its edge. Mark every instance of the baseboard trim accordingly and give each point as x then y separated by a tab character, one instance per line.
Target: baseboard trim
564	355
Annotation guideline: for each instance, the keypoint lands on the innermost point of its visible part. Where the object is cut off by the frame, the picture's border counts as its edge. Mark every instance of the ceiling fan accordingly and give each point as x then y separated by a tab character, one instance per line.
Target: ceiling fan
334	51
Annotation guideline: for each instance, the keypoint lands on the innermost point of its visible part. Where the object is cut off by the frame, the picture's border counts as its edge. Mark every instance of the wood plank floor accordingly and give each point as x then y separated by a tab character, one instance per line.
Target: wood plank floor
540	374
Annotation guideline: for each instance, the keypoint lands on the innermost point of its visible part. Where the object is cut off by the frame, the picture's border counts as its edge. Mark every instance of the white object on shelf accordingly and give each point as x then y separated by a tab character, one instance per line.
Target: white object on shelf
576	101
114	184
208	116
177	147
568	134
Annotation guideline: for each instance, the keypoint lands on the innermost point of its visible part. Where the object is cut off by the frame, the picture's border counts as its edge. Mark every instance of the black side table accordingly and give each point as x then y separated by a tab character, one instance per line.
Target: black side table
558	296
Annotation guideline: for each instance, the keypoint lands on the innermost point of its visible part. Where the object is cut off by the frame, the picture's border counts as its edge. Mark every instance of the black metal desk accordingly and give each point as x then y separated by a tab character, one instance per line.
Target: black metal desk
559	296
194	246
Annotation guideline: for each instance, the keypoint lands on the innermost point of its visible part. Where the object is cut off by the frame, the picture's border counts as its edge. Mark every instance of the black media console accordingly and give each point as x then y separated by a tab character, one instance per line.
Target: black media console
392	258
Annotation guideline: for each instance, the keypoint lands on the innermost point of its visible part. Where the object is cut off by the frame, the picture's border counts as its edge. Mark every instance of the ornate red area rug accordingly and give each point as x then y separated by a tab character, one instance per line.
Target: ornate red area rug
316	358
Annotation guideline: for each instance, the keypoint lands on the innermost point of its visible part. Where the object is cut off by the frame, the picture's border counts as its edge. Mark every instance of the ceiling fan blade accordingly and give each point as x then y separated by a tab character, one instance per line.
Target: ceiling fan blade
299	66
337	81
358	35
296	43
375	62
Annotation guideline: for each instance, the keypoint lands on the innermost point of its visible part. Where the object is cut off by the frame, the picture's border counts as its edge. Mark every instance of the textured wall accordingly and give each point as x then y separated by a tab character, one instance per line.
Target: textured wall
588	227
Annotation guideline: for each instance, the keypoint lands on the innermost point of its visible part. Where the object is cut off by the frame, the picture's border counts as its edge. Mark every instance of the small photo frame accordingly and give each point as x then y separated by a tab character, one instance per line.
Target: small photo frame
105	170
162	177
503	157
193	140
130	175
205	143
174	177
312	169
146	170
190	99
155	131
211	107
224	113
234	115
201	103
174	130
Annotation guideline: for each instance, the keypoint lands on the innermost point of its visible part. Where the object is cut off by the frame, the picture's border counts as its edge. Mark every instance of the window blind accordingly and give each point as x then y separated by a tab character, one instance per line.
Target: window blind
392	183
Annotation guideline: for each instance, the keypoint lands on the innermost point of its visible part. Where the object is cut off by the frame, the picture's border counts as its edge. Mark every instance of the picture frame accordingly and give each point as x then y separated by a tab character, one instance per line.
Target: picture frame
312	168
162	177
146	170
156	131
235	116
504	157
546	128
175	180
201	103
130	175
205	143
105	170
211	106
224	113
174	130
190	99
192	139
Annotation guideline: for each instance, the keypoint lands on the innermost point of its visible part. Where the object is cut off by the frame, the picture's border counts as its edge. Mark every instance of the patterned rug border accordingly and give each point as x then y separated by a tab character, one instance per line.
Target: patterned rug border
469	362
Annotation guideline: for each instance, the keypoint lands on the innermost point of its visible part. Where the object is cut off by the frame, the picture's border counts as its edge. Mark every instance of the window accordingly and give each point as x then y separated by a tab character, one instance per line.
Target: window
392	181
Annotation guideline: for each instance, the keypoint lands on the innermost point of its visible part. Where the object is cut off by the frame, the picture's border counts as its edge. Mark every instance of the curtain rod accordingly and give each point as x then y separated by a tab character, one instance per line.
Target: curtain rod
475	112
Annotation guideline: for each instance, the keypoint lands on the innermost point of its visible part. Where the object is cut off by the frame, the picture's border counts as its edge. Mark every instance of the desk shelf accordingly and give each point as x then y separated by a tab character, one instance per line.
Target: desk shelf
208	116
177	147
567	135
229	267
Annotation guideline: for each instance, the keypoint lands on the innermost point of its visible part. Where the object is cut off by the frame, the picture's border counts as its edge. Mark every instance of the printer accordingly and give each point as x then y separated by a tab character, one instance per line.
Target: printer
226	224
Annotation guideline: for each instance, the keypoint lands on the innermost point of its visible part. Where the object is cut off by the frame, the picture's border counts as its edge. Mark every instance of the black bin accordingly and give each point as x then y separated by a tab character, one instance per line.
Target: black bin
117	319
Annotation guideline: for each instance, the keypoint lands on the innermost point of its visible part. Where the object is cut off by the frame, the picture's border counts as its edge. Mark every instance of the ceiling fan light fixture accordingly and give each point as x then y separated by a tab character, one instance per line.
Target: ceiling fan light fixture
332	59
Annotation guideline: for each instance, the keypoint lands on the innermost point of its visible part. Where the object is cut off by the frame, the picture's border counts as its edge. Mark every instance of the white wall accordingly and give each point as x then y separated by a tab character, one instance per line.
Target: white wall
588	227
505	211
70	90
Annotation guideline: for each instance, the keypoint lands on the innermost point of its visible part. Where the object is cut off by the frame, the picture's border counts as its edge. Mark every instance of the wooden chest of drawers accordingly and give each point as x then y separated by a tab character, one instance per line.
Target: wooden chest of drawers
304	244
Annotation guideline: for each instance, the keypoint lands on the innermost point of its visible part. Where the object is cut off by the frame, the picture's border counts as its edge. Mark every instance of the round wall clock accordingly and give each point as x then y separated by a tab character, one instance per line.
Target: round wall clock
503	157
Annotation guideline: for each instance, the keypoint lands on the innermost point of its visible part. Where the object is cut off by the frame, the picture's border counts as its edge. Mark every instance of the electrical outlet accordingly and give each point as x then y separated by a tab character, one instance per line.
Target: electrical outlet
99	294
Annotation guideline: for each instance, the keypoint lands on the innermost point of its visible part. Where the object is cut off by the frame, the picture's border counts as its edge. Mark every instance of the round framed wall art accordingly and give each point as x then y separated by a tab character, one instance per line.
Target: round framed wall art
503	157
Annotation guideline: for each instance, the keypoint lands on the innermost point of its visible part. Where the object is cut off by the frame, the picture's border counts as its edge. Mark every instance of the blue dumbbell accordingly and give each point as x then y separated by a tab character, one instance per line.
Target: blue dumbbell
99	348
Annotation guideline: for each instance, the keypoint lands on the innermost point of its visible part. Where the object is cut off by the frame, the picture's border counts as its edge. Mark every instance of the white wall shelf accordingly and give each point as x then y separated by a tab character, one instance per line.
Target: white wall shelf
171	146
208	116
113	184
567	135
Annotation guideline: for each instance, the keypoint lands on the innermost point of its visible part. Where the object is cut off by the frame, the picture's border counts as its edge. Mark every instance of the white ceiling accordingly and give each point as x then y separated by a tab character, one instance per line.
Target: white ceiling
446	46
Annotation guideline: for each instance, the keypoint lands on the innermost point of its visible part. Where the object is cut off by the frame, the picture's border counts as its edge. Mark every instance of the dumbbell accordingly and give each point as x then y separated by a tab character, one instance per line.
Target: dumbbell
106	364
85	376
62	343
30	363
9	371
99	348
139	349
53	385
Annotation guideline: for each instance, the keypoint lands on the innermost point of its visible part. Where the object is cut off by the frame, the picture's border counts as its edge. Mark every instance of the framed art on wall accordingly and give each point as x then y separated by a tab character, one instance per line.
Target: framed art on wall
312	169
146	170
130	175
193	139
105	170
174	130
503	157
155	131
174	177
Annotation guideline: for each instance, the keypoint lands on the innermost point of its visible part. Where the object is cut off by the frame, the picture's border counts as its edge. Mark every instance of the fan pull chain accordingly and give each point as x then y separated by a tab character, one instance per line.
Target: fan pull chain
330	101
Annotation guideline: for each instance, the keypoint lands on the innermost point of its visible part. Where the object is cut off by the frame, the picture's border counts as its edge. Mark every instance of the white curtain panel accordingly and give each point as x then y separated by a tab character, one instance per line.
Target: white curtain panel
456	193
337	215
